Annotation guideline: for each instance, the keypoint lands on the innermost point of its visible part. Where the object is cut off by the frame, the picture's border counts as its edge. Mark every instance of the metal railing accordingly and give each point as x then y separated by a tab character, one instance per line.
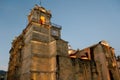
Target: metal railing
53	24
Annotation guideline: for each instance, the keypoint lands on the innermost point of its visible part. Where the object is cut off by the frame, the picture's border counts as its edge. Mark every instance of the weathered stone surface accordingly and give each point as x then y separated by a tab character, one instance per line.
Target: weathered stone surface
39	53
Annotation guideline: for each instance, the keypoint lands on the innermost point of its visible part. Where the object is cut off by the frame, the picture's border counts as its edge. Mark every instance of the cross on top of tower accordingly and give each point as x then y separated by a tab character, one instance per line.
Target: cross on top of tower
40	3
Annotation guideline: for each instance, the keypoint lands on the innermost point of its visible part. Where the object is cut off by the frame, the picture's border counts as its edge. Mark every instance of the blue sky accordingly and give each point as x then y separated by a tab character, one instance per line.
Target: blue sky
84	22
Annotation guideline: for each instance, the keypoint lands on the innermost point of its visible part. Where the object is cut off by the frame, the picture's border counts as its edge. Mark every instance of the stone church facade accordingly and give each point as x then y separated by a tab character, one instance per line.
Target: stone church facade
39	53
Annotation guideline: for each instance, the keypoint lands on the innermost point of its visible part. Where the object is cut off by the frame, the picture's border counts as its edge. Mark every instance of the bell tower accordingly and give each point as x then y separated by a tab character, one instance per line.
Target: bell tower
39	15
44	50
38	53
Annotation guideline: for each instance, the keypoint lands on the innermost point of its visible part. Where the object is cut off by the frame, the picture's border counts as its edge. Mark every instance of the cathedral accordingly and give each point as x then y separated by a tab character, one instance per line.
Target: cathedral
39	53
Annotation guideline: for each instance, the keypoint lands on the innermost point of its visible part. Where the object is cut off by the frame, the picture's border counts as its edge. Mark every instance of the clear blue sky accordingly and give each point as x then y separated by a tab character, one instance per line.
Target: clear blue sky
84	22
